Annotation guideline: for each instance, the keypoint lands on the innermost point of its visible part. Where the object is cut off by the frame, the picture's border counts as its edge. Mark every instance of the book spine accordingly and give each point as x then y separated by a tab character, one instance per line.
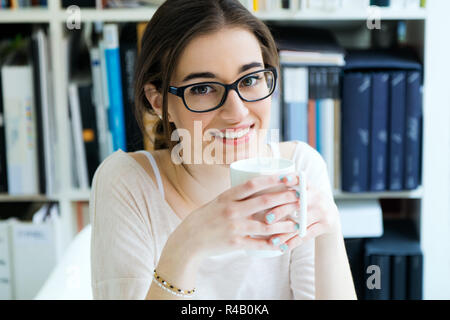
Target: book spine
295	97
399	277
38	100
384	264
397	130
3	165
116	113
100	109
415	277
355	131
128	53
379	131
413	134
6	292
312	108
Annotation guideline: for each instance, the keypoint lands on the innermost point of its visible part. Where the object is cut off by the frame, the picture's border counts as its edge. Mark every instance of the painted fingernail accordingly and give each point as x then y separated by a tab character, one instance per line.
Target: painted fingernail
297	226
270	218
275	241
297	194
284	247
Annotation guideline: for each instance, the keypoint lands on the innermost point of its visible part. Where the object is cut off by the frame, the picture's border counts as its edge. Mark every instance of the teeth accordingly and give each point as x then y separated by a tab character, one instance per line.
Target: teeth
234	134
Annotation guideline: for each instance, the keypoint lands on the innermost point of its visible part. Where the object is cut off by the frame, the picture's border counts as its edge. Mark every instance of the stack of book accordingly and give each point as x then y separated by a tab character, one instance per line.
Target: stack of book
311	62
27	118
327	5
15	4
101	99
381	122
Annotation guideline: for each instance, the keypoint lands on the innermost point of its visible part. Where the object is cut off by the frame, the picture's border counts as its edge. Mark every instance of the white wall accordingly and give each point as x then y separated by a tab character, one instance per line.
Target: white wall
435	219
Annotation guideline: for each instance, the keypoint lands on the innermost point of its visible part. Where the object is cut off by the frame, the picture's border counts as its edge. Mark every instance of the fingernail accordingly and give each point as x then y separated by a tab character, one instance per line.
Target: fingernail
275	241
297	194
270	218
286	178
297	226
284	247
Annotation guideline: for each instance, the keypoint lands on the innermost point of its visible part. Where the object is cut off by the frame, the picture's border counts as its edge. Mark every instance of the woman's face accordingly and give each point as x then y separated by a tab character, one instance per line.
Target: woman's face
223	56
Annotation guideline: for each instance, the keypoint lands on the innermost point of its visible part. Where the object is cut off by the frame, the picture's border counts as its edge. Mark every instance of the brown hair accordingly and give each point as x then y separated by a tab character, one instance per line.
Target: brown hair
174	24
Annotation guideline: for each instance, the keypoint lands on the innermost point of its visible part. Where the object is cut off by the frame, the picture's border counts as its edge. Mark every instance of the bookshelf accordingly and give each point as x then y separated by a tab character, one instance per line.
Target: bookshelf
433	198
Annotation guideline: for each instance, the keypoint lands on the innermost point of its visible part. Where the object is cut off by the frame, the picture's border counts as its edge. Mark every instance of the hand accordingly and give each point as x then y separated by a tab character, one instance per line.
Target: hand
322	218
226	223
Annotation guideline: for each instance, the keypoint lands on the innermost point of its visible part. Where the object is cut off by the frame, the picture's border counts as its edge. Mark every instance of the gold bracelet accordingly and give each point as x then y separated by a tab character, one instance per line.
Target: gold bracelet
171	288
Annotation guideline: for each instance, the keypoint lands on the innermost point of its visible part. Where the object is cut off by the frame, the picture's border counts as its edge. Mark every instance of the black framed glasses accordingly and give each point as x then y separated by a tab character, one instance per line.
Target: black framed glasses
209	96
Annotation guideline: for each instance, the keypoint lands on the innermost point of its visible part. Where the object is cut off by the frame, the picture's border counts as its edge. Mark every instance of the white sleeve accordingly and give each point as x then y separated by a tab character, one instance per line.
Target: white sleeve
122	249
302	257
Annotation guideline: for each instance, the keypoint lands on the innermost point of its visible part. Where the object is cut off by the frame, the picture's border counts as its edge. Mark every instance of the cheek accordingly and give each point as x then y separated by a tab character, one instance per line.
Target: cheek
261	110
185	119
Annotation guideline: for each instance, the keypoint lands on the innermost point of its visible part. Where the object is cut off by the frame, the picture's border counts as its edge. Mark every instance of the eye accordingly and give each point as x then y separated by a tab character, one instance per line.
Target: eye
200	90
250	81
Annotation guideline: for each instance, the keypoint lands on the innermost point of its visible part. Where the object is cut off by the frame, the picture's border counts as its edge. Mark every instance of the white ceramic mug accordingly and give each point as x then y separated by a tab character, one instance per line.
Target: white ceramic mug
244	170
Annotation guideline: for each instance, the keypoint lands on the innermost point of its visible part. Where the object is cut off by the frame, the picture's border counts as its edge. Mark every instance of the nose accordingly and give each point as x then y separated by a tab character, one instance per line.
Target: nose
234	108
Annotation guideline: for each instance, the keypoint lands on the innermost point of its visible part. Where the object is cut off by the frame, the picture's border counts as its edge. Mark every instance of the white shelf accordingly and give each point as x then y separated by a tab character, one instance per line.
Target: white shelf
4	197
413	194
25	15
43	15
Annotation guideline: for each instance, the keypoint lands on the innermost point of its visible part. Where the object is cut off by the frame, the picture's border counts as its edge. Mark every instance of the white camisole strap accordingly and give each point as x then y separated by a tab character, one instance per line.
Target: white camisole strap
155	170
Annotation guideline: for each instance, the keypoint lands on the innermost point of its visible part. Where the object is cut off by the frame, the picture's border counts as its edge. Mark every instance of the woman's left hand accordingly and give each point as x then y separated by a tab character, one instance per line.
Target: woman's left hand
322	218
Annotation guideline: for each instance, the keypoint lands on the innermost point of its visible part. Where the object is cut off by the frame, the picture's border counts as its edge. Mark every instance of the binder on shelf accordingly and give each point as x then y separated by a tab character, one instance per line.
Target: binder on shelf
384	264
379	131
413	130
20	124
276	115
396	130
6	292
415	277
355	131
295	102
312	139
114	76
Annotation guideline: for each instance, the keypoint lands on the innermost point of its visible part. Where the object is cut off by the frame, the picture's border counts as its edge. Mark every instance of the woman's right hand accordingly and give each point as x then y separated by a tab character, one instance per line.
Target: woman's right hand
226	223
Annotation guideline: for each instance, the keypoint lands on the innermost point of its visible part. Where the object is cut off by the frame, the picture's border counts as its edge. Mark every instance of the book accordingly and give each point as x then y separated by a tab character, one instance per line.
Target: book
45	113
383	262
20	123
114	76
3	166
399	277
295	97
355	131
80	163
312	139
128	55
355	254
379	131
396	130
413	130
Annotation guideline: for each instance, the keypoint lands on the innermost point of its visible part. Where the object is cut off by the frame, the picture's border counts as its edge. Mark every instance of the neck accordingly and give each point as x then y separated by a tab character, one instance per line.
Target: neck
200	183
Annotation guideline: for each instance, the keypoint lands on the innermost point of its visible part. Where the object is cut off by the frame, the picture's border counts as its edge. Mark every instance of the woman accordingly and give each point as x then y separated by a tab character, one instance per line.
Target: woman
164	230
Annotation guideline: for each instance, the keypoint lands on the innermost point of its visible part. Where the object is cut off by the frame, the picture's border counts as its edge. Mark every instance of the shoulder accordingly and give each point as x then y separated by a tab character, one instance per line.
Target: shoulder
117	167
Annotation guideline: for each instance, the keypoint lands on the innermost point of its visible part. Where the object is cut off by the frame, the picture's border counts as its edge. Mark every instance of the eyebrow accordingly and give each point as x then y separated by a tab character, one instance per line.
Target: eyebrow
211	75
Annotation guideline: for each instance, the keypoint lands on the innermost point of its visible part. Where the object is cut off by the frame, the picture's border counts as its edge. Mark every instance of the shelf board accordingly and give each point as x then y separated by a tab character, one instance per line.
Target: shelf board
413	194
43	15
343	15
113	15
25	15
4	197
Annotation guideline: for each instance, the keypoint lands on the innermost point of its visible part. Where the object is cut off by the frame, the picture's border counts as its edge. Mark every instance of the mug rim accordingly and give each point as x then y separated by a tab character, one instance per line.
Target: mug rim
235	166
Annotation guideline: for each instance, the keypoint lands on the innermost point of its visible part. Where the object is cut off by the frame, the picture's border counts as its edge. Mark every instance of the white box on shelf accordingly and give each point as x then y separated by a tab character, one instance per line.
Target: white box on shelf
360	218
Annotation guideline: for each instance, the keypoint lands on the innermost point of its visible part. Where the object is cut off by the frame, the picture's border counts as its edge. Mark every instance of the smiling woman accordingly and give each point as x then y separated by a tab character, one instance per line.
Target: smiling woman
168	230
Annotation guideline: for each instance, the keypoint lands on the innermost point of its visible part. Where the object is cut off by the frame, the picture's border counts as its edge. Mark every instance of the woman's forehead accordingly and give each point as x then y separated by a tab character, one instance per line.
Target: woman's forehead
222	53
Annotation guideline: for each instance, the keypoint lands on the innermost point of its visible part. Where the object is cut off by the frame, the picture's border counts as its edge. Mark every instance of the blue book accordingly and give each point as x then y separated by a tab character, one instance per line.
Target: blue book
397	130
114	80
413	134
356	89
295	96
379	131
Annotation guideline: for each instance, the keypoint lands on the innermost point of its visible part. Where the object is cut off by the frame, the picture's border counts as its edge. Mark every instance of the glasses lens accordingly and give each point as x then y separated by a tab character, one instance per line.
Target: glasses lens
257	86
205	96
